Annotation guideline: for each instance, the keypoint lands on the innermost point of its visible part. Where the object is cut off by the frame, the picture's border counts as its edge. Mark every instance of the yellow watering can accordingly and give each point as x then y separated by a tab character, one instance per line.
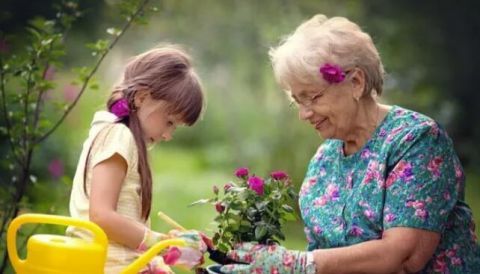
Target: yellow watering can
58	254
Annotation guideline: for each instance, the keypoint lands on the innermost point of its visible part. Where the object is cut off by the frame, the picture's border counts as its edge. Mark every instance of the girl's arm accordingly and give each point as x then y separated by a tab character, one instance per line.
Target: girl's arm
401	250
107	179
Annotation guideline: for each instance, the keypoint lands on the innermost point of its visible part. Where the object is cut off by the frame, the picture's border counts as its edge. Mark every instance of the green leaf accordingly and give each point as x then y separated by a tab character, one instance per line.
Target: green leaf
200	202
114	31
287	208
260	231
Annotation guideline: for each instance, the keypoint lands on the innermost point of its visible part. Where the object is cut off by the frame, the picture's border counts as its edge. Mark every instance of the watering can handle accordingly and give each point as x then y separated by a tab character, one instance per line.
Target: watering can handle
99	236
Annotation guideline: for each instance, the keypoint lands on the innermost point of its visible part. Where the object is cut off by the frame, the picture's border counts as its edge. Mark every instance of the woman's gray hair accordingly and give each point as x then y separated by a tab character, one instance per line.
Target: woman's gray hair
320	40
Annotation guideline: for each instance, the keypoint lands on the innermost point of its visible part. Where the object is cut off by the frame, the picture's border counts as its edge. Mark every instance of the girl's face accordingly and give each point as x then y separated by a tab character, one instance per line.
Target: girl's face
156	123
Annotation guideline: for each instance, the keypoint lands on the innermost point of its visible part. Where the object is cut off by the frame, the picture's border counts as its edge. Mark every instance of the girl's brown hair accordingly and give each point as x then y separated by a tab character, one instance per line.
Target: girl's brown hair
167	73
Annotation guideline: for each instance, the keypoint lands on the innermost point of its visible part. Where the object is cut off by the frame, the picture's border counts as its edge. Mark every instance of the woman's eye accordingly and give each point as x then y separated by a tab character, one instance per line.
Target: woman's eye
170	123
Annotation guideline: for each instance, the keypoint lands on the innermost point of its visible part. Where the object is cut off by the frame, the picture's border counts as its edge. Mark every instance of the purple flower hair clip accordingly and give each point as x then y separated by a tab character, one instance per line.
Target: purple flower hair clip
120	108
332	73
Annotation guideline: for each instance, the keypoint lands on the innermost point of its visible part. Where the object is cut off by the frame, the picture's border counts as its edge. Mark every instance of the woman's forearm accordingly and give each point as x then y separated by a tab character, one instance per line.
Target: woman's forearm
401	250
370	257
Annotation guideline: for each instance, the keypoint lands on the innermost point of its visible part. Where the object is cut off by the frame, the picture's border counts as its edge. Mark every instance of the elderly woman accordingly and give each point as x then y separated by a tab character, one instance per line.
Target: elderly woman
384	193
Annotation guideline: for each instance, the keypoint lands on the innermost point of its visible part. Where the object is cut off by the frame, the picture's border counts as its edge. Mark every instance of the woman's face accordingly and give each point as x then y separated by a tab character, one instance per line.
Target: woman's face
329	108
157	124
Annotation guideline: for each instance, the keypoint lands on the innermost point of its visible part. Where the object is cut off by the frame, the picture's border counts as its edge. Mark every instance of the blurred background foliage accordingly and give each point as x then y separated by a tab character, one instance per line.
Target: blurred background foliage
429	49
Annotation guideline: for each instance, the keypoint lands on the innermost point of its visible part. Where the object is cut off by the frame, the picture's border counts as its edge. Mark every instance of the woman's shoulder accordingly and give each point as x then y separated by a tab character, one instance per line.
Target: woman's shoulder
404	125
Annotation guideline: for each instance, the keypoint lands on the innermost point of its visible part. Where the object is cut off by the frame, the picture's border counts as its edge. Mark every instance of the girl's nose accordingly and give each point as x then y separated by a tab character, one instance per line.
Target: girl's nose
304	113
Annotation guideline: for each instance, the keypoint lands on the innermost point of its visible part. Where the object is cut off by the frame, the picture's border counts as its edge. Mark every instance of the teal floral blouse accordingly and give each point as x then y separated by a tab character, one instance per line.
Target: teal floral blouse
406	175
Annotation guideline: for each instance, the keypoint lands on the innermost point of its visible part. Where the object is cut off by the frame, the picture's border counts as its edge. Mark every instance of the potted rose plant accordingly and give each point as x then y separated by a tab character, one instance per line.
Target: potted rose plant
250	209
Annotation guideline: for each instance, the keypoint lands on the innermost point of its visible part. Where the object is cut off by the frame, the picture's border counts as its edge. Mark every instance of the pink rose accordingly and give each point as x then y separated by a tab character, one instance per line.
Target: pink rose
279	175
256	184
241	172
227	186
219	207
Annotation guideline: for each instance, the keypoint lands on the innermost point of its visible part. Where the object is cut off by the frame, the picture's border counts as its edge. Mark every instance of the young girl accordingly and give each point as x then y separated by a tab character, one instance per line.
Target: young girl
113	183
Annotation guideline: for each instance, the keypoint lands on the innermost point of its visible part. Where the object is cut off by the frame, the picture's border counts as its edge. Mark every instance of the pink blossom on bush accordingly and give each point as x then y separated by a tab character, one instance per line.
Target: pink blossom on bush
279	175
219	207
241	172
256	184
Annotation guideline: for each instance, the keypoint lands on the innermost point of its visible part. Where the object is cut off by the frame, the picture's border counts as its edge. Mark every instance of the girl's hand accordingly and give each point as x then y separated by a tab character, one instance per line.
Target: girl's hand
269	259
190	255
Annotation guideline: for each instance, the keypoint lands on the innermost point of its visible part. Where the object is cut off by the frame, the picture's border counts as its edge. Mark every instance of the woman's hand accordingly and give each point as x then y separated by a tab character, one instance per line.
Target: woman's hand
269	259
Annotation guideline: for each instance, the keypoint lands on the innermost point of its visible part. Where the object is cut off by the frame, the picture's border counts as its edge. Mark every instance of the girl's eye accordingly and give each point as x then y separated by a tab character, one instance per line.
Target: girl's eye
170	123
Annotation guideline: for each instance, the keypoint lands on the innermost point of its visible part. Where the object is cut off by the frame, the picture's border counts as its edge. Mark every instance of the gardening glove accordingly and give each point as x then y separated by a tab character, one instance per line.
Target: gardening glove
189	255
157	266
269	259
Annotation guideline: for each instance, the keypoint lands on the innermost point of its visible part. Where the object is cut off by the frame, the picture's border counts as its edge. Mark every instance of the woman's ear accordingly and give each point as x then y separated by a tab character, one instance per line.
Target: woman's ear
358	83
140	97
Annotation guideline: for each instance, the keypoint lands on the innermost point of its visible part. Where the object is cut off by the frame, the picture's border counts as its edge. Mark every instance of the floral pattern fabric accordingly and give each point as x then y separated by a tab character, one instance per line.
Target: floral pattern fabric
406	175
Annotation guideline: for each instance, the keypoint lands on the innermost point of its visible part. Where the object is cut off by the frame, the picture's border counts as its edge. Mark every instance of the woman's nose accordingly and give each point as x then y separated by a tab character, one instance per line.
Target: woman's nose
304	113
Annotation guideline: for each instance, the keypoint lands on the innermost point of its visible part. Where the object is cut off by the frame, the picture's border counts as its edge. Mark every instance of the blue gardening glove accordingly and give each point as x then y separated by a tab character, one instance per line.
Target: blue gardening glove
269	259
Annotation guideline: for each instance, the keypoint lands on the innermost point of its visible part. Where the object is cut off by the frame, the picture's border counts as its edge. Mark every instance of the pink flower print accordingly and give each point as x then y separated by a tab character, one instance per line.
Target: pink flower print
458	171
320	201
288	260
382	133
418	204
356	231
308	234
271	248
258	270
456	261
317	230
439	264
434	166
446	195
391	179
274	270
394	133
421	213
434	129
410	137
371	173
369	214
390	218
404	170
365	153
332	192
